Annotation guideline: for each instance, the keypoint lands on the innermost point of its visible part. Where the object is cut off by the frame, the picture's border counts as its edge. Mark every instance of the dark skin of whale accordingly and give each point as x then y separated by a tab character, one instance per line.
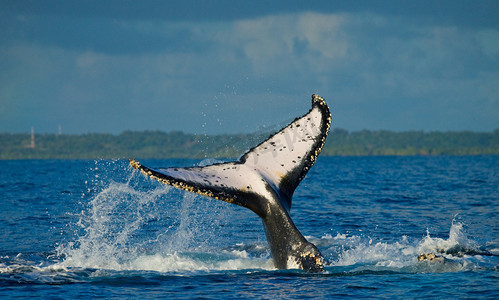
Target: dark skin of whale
264	180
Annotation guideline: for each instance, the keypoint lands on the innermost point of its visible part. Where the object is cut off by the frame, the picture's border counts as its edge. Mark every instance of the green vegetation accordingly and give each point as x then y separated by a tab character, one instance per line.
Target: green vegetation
412	143
156	144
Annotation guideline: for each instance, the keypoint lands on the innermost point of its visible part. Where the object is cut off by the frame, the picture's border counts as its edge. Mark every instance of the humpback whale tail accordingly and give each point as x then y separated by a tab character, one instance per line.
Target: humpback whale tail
264	180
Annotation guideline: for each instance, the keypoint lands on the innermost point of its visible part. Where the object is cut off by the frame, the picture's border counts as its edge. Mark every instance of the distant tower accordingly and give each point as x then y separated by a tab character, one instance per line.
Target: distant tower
59	130
32	146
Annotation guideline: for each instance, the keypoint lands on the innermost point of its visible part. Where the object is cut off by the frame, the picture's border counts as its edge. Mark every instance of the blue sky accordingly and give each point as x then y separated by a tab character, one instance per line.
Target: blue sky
239	66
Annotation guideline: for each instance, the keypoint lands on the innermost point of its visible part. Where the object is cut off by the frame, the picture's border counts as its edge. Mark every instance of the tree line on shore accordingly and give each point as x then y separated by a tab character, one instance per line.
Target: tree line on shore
157	144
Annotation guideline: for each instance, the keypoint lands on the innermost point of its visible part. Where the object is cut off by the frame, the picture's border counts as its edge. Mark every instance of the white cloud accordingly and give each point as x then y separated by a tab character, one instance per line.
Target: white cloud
290	42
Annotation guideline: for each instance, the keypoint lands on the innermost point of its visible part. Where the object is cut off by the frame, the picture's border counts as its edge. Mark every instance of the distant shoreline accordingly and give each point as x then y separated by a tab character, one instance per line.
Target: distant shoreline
161	145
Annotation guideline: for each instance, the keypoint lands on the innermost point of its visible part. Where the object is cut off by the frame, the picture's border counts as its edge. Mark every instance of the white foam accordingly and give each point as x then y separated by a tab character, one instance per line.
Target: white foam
397	255
182	262
176	262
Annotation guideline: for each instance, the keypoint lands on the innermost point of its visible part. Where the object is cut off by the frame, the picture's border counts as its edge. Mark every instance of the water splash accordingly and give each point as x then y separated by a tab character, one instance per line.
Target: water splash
115	227
143	225
359	253
457	244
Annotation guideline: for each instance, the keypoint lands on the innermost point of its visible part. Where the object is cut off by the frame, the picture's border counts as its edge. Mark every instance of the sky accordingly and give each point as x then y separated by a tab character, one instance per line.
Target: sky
216	67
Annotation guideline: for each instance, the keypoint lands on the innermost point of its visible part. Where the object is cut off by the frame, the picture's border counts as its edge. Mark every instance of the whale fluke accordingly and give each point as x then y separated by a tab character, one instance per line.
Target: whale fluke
264	180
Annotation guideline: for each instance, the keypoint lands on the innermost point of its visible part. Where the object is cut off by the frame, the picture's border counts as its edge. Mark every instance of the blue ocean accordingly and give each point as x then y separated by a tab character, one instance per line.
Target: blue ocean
100	229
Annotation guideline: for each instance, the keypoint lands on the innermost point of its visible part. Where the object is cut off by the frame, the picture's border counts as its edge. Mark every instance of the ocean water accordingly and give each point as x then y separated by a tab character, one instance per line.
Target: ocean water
87	229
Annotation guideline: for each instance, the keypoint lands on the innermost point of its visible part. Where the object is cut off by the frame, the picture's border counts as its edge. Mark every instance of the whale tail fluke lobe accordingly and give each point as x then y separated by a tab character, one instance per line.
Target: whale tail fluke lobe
264	180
